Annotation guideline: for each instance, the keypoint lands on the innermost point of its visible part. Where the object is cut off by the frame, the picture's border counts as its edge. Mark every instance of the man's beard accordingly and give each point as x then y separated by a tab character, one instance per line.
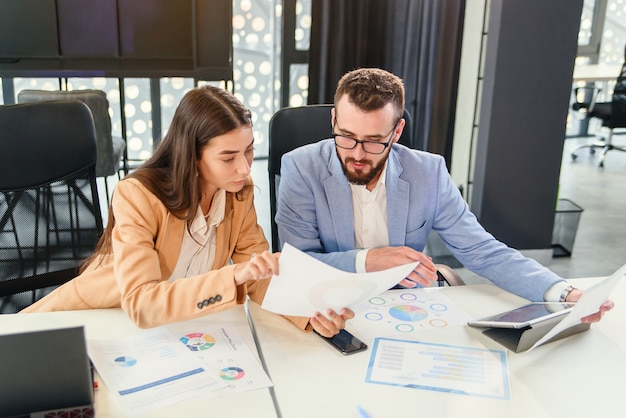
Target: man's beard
360	177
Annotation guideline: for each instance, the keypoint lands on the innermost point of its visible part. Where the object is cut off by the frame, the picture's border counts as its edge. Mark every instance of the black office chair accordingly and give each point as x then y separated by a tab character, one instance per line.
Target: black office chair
50	217
292	127
612	114
110	148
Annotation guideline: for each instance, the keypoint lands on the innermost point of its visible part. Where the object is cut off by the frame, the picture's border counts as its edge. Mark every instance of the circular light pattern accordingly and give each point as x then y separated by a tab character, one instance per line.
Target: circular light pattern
258	24
146	105
134	143
132	91
249	67
140	126
296	100
249	82
238	22
303	82
245	5
255	28
129	110
265	67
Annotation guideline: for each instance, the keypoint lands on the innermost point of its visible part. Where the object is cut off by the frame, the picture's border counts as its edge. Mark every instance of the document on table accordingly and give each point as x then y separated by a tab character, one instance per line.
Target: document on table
439	367
306	285
225	354
167	365
588	304
401	313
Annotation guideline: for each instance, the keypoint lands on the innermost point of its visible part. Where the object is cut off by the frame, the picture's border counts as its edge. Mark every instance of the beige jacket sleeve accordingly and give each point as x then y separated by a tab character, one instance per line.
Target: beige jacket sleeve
146	243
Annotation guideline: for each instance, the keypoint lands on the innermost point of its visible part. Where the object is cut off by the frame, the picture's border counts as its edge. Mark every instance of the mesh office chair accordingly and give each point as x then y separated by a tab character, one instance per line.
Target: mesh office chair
110	148
50	217
292	127
612	114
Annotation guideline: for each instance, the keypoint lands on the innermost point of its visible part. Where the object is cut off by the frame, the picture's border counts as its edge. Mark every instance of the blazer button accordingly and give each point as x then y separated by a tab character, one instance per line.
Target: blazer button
218	298
200	305
211	300
205	303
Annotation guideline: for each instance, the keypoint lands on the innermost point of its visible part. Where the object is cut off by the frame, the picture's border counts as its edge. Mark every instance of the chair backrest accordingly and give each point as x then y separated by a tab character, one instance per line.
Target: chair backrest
292	127
618	102
107	162
50	218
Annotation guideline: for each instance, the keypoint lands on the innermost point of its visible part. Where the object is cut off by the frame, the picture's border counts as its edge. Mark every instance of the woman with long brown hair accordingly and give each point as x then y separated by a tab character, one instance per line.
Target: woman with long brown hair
182	239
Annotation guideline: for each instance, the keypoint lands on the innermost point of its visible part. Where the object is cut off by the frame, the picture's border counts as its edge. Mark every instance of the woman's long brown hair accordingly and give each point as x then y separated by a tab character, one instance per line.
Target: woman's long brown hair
171	173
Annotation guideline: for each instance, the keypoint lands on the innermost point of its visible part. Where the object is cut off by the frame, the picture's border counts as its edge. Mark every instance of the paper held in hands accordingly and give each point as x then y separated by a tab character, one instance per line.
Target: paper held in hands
306	285
588	304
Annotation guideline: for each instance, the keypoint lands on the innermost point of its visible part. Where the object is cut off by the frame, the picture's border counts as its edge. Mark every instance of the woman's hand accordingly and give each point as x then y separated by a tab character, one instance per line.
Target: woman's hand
332	323
260	266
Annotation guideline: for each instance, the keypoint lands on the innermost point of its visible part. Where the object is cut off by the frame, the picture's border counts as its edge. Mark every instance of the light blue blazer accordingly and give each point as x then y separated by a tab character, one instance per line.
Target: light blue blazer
315	215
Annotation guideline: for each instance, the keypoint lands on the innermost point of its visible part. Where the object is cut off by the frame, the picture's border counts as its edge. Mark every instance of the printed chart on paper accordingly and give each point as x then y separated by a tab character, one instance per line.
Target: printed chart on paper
403	312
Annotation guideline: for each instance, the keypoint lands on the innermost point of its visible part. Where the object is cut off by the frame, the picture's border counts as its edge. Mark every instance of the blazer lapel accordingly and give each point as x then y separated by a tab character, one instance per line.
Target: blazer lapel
339	198
397	201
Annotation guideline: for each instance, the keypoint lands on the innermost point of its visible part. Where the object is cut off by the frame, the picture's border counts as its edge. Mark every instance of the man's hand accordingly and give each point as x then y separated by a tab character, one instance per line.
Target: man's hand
387	257
575	294
330	325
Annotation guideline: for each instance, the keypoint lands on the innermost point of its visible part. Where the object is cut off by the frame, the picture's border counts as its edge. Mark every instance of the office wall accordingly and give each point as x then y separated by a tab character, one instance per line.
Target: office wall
528	64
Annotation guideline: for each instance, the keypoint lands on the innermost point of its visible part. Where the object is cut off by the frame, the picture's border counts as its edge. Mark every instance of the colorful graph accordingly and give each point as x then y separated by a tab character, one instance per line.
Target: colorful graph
232	373
125	361
405	311
198	341
408	313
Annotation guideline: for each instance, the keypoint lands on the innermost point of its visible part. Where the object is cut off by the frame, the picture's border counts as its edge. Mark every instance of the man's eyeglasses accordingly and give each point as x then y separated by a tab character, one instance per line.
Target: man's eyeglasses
371	147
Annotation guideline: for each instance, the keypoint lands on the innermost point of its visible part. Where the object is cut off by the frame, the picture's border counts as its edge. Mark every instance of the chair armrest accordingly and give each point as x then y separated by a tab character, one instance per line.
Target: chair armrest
582	104
448	276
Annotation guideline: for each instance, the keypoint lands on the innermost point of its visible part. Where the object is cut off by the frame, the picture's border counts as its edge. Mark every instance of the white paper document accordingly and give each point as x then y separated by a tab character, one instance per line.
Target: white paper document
171	364
306	285
439	367
225	354
588	304
401	313
150	370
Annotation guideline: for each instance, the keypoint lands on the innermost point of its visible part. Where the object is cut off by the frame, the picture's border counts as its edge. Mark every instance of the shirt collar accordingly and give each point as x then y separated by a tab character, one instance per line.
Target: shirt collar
201	223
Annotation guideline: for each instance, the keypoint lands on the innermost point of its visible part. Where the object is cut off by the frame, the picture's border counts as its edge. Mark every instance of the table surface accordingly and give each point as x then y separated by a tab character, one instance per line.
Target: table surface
113	323
579	376
596	72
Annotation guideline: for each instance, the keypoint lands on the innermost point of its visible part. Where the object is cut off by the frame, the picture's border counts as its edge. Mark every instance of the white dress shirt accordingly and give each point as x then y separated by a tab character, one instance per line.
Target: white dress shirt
370	218
197	253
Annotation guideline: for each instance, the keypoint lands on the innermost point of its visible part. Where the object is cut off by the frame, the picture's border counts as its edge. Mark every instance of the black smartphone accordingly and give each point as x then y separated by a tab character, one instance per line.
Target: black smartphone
345	342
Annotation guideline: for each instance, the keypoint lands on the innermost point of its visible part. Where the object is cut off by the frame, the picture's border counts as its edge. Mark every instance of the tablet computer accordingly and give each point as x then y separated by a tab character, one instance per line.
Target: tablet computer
524	316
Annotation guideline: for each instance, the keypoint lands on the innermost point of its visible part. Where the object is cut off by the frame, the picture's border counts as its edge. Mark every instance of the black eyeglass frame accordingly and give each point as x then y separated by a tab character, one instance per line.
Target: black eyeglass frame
364	143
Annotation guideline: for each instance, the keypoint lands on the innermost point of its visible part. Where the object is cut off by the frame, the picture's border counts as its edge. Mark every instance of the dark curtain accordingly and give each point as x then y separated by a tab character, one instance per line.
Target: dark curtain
418	40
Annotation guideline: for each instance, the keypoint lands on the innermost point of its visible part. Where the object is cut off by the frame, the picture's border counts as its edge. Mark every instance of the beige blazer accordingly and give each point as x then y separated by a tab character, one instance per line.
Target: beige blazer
146	242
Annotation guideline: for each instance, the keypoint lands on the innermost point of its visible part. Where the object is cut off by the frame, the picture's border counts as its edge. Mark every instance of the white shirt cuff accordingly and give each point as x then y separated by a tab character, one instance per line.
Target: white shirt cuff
553	294
359	261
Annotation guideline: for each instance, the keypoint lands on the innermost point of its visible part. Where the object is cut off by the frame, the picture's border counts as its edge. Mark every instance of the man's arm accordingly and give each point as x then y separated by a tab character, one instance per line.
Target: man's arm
301	203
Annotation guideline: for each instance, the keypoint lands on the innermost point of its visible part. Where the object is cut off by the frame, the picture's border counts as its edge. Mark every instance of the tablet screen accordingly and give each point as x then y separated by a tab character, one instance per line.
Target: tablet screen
523	316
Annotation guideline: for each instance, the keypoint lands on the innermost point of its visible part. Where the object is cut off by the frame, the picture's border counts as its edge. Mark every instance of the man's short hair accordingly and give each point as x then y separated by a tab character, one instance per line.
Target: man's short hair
371	89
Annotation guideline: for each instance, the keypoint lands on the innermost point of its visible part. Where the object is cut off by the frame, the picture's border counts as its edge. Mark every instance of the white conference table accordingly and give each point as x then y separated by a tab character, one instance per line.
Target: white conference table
596	72
113	323
579	376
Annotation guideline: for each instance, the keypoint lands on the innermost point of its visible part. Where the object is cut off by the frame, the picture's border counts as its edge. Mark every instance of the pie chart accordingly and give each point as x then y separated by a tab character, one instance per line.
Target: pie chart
232	373
408	313
125	361
198	341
